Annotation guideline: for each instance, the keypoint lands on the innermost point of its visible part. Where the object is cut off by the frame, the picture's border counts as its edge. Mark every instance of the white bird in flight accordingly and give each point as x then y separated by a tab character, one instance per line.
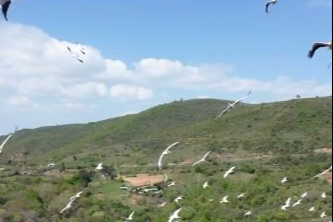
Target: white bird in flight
69	206
233	105
299	202
162	205
130	217
249	213
51	165
5	142
287	205
72	200
165	152
204	159
206	185
225	200
5	4
323	173
100	166
77	57
78	195
268	4
166	177
312	209
229	172
172	184
241	196
175	215
284	180
323	215
317	46
324	195
81	48
178	199
305	195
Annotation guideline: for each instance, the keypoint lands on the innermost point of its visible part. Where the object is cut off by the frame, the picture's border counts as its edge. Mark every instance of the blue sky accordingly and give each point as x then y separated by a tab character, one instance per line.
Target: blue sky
146	52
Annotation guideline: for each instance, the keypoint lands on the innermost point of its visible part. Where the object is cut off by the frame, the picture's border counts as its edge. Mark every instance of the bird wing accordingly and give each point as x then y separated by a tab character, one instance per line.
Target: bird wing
315	47
207	154
203	159
235	103
227	174
196	163
224	112
5	6
268	4
242	99
160	164
5	142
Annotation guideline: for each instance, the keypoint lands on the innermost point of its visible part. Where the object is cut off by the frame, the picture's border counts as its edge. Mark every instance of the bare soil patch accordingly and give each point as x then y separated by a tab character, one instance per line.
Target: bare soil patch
142	180
324	151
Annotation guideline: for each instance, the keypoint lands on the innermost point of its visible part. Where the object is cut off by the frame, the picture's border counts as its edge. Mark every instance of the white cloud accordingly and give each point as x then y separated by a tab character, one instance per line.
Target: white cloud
85	90
21	101
39	67
116	69
129	92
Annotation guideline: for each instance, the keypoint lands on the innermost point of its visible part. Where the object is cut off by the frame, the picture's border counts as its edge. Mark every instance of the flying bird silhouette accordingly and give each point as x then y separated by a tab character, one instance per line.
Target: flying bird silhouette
130	217
78	195
305	195
323	215
178	199
312	209
299	202
241	196
172	184
324	195
317	46
100	166
77	57
71	201
81	48
287	205
323	173
5	4
229	172
233	105
204	159
69	206
249	213
162	205
225	200
268	4
165	152
206	185
284	180
5	142
175	215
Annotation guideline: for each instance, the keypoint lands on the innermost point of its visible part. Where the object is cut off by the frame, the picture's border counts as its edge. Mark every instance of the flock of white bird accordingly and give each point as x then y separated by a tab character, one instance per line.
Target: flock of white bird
78	51
226	199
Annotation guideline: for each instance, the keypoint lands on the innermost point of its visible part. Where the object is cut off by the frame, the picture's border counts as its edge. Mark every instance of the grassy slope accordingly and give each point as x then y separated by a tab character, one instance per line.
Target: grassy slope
291	126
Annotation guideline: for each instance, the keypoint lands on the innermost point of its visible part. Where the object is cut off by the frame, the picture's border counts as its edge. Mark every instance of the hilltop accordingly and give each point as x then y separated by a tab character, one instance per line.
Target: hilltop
294	126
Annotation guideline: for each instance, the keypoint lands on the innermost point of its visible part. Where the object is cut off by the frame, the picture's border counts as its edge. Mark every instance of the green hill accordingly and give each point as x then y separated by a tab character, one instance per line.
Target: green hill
293	126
